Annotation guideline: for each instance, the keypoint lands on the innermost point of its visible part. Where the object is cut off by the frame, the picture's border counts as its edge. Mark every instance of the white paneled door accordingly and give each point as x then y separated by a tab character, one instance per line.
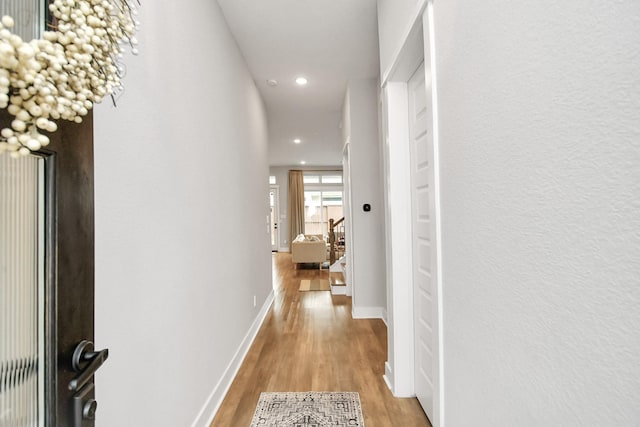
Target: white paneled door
424	248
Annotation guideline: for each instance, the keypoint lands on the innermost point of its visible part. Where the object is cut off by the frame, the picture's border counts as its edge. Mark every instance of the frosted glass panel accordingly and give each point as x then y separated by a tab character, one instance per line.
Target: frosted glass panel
28	15
21	291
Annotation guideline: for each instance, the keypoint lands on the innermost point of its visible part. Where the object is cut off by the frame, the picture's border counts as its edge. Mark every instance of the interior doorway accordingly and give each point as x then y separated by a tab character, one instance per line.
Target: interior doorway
274	214
348	217
415	347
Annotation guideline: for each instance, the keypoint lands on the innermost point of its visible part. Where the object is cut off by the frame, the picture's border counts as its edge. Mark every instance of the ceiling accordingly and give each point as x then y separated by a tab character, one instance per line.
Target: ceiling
326	41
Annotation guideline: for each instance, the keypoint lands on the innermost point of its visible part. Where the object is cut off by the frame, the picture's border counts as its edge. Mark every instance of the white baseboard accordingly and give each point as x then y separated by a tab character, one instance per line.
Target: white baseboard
390	381
283	249
368	313
210	408
388	376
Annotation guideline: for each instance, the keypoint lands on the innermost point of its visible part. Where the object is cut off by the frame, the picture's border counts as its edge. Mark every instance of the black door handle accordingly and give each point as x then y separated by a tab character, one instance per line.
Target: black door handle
86	362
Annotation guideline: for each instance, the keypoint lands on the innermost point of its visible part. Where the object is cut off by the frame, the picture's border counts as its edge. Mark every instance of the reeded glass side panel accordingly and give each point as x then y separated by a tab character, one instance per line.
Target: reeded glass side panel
28	16
21	292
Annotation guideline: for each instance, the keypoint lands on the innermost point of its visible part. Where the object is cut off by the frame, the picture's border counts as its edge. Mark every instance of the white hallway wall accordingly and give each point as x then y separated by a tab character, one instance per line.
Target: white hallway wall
360	129
539	105
181	185
395	19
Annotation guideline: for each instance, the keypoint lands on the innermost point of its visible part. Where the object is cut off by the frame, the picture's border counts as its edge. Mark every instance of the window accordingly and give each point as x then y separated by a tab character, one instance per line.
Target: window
323	178
272	179
319	207
311	179
322	200
332	179
332	198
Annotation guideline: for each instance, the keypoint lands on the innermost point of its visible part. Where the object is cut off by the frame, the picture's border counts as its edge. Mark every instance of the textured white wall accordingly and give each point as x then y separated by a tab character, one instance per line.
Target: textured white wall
182	243
361	123
540	148
395	19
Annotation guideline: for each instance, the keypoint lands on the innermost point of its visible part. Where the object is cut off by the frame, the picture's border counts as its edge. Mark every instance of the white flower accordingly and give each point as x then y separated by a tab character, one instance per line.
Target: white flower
61	75
7	21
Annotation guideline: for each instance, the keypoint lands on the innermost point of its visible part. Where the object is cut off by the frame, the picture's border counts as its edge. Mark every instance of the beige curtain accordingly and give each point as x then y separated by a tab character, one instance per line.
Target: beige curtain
296	205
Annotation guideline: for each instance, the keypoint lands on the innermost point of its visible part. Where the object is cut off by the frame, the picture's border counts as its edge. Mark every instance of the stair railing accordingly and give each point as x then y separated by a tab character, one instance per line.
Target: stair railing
332	238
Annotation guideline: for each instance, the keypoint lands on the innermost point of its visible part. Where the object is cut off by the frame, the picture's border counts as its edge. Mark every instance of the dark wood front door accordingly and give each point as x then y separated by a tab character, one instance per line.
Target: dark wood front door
68	295
73	321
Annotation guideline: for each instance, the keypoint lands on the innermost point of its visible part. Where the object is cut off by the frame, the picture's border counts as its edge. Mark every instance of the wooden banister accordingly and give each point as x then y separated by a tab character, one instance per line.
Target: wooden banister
332	239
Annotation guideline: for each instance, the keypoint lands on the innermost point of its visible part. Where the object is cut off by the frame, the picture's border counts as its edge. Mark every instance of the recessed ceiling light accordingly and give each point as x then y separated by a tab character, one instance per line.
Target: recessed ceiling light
297	141
301	81
303	162
272	82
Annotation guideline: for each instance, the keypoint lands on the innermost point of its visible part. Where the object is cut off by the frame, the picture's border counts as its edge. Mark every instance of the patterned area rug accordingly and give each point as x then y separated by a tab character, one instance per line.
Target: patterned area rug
314	285
310	409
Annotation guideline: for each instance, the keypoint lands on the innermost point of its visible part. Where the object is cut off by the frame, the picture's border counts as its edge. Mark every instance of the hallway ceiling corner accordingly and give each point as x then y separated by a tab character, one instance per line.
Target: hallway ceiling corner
328	42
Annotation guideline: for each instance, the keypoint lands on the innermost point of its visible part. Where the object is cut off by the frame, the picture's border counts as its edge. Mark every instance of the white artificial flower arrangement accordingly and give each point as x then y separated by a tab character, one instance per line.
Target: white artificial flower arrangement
64	73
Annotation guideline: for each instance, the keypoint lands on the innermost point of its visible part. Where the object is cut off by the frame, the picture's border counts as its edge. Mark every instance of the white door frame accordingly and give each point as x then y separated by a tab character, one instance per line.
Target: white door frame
418	47
348	216
276	206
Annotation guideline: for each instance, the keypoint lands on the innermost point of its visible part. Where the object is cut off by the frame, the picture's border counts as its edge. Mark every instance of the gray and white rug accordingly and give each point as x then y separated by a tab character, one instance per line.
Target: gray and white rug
309	409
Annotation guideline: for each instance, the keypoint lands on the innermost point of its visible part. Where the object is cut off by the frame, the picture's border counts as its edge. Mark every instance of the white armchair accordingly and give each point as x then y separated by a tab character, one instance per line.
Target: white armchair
308	249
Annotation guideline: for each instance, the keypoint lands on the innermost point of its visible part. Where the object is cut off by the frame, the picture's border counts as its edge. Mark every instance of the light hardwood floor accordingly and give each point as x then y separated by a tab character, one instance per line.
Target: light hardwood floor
309	342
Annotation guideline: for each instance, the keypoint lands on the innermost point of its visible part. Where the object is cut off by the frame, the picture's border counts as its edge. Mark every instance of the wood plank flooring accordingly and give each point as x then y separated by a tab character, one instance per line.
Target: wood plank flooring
309	342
